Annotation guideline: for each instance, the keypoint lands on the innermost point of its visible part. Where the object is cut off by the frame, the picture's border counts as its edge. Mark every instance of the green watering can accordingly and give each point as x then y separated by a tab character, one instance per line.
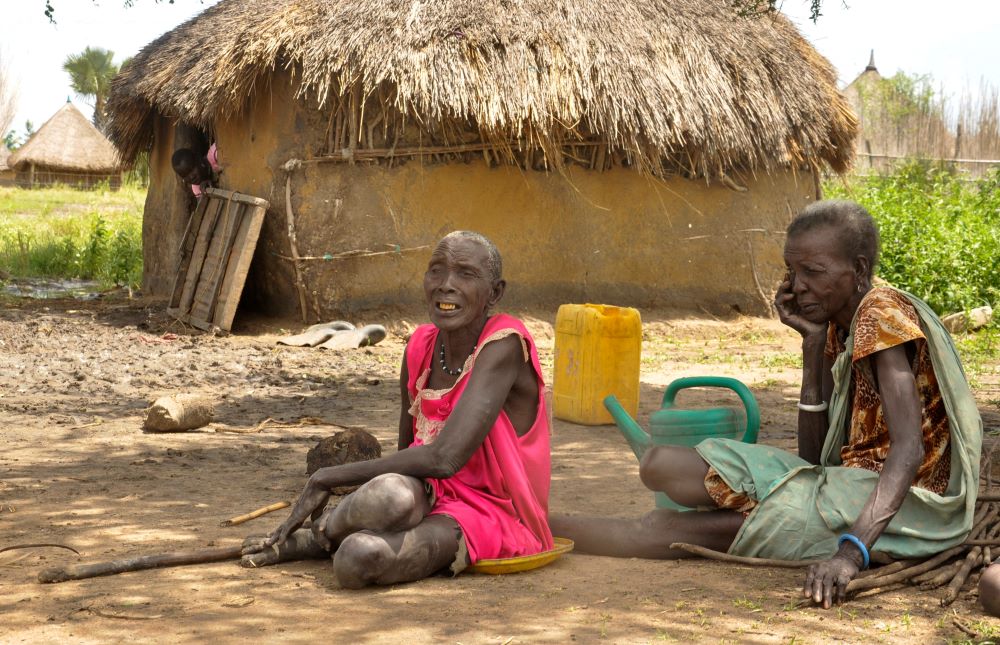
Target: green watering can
670	426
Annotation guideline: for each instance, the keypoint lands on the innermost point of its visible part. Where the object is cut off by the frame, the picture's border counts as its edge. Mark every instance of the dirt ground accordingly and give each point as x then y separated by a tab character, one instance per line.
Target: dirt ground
76	469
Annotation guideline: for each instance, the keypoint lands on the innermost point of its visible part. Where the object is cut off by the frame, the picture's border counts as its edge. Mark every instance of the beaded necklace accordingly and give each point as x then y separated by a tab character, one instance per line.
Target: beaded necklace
444	365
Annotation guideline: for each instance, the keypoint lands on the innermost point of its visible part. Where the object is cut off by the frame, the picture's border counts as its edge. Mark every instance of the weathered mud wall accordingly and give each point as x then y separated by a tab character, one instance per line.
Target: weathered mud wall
614	237
165	214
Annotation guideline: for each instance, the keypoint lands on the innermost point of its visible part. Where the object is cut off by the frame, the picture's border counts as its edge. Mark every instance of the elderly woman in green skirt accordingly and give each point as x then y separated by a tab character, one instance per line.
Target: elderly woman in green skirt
889	435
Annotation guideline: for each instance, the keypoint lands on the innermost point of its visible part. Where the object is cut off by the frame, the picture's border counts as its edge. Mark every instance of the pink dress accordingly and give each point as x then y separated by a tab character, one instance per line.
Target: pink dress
500	497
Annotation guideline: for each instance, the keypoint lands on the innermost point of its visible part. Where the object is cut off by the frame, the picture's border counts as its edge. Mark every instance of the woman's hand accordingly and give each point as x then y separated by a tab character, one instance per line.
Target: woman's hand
827	581
310	503
788	312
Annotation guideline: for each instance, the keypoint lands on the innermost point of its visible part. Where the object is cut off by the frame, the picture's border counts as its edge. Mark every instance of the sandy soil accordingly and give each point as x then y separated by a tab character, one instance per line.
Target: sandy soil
76	469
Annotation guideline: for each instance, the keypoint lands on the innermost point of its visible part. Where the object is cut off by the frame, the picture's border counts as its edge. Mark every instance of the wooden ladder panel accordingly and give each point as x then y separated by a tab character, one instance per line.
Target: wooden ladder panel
216	252
187	247
239	265
204	236
214	268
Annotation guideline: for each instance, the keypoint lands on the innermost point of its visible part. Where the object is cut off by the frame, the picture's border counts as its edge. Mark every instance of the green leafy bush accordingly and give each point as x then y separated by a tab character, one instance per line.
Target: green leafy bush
940	232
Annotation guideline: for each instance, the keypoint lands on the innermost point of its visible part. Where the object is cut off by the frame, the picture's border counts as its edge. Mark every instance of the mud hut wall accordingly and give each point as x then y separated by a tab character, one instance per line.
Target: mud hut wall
253	146
165	214
615	237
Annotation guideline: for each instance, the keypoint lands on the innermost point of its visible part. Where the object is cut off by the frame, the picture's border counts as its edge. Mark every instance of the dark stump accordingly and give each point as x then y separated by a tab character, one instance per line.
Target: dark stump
343	448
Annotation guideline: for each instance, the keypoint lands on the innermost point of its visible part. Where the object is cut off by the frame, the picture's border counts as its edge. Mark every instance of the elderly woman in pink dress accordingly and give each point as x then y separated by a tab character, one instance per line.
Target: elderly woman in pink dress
470	480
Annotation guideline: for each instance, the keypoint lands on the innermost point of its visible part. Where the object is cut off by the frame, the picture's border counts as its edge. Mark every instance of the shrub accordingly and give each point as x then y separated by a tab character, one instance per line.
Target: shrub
940	232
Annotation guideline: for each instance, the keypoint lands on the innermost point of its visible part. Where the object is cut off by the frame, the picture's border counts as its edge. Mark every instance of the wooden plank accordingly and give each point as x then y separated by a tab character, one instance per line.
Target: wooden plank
239	266
238	197
230	240
216	253
213	268
184	252
205	233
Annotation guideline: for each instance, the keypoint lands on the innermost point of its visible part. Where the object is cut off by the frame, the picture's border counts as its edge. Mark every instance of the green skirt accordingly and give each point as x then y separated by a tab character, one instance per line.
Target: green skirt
803	509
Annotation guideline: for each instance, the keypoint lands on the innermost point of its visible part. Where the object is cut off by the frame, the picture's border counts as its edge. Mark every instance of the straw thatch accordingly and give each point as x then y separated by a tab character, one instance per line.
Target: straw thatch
4	155
67	142
663	84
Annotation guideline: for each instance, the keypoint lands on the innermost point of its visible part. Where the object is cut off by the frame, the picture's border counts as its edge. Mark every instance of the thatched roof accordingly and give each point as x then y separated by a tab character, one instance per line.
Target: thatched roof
656	78
4	154
67	142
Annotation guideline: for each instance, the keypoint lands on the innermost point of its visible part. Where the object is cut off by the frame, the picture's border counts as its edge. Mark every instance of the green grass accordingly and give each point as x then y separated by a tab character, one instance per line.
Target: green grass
67	233
979	353
940	233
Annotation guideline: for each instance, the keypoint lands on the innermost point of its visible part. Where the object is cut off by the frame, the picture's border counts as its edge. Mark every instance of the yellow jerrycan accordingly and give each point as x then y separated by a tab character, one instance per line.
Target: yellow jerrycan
597	352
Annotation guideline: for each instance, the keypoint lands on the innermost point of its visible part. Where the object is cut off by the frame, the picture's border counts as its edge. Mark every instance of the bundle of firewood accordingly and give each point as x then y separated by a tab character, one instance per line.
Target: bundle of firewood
952	567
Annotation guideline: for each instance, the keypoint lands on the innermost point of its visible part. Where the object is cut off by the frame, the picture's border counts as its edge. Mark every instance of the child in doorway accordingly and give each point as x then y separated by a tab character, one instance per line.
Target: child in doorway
200	172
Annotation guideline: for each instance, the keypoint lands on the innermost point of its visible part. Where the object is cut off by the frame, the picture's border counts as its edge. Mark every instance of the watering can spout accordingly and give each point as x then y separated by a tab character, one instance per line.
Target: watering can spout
637	438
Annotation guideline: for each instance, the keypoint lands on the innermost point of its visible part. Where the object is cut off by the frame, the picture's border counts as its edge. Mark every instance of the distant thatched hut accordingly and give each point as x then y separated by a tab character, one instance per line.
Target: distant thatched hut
640	152
6	172
69	150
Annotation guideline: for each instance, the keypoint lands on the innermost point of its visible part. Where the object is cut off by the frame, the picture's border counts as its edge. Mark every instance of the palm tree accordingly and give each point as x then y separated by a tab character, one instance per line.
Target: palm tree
90	75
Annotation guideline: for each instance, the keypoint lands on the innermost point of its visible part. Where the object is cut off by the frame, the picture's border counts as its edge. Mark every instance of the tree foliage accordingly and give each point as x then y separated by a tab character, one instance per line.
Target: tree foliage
752	8
899	96
50	9
90	74
13	141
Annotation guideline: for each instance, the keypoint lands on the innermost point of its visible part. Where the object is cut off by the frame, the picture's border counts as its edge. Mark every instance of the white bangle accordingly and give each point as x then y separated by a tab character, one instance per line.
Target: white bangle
816	407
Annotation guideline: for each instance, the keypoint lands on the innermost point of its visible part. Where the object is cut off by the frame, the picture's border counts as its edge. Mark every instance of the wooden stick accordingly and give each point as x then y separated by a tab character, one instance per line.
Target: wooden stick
965	628
905	574
955	585
349	255
103	614
892	567
172	559
37	546
352	144
252	515
293	245
884	582
874	591
979	529
739	559
942	576
417	151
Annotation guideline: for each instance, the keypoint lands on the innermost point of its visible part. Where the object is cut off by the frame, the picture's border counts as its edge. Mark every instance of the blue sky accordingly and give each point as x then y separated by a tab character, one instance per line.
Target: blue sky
956	42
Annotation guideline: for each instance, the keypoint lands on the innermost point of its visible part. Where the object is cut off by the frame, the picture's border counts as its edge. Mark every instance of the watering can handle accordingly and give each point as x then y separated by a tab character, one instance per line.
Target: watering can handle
741	390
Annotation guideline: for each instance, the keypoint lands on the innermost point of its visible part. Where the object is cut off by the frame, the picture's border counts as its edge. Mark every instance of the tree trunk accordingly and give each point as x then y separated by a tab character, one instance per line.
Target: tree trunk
99	112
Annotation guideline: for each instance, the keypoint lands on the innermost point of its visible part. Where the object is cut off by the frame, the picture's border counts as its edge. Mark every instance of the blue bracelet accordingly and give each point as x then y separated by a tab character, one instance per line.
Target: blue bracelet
847	537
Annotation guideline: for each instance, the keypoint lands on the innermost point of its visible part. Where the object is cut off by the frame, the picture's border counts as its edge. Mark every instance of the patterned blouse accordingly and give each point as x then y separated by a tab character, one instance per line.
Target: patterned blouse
885	319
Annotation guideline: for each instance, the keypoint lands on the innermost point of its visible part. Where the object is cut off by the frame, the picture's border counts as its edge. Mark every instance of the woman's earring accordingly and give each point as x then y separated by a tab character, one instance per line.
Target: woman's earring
859	287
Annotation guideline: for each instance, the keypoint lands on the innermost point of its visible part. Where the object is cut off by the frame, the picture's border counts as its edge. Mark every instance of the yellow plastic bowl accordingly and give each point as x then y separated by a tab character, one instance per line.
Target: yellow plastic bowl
524	562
